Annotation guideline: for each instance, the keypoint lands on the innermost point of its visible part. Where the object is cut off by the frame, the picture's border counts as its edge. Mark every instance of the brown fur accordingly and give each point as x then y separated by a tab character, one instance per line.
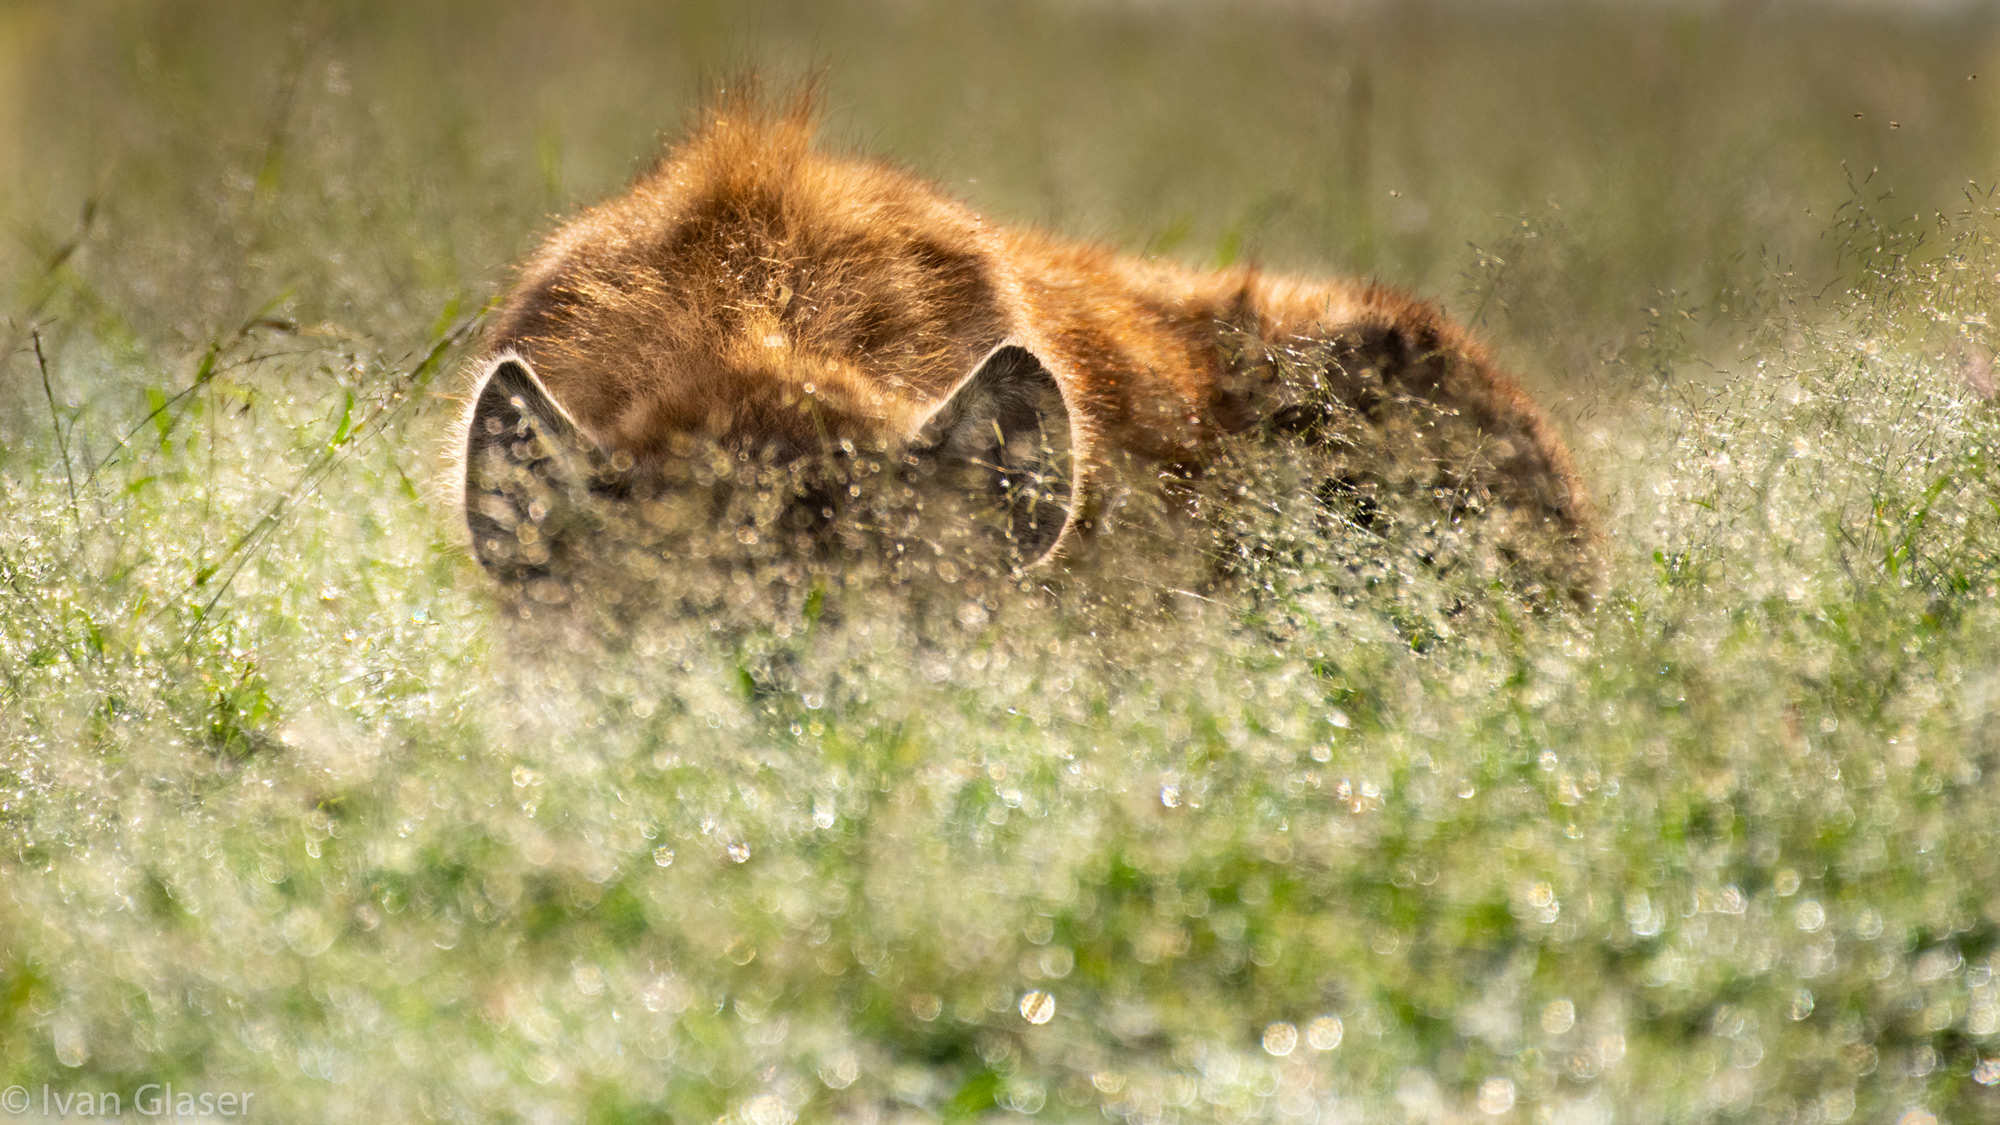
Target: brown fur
755	290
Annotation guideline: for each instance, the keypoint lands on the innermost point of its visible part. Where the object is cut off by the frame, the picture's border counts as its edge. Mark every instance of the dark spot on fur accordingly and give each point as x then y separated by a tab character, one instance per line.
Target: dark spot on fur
1375	363
1345	497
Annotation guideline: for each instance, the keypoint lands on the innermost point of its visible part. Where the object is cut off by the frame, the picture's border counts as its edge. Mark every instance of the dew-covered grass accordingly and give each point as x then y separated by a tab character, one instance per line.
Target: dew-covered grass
292	804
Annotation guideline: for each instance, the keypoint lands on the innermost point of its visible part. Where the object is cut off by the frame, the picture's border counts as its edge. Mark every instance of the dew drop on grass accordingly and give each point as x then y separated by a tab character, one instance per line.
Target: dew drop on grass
1837	1105
767	1109
663	856
1496	1096
1324	1033
1810	916
71	1048
1038	1007
840	1070
1023	1096
1280	1039
1056	962
1558	1017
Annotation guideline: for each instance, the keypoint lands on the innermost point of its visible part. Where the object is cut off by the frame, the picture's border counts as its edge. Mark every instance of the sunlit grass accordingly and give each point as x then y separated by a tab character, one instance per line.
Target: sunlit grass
291	804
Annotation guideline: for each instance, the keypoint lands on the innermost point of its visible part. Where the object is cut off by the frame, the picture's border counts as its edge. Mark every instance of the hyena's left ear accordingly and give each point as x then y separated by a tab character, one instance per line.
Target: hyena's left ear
1003	434
527	470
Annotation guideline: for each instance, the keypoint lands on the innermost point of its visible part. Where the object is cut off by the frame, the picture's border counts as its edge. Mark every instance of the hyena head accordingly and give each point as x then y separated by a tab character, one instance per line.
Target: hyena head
765	345
984	477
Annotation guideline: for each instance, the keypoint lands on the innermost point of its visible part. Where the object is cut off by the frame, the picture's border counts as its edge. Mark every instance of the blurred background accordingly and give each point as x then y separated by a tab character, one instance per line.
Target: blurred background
1575	173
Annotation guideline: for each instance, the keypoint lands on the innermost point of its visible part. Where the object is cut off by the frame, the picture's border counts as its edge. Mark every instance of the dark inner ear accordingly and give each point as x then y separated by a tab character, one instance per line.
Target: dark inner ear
526	470
1004	436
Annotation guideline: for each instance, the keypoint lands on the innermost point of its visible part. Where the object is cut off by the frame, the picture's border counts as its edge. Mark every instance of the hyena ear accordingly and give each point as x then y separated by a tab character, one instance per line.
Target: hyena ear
1003	434
527	468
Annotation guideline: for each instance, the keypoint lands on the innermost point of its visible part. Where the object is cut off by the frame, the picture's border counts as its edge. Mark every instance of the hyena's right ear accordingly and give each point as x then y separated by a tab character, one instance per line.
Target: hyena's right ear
528	470
1003	437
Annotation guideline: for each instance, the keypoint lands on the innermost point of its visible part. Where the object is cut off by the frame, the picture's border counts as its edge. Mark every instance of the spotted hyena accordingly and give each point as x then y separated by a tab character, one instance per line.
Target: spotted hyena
755	301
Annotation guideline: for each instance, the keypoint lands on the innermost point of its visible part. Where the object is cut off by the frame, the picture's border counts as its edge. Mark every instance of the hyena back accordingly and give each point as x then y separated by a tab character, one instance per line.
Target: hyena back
757	295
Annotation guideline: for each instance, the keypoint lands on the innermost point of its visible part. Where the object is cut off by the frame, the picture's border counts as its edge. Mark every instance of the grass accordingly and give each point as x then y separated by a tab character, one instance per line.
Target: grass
289	806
